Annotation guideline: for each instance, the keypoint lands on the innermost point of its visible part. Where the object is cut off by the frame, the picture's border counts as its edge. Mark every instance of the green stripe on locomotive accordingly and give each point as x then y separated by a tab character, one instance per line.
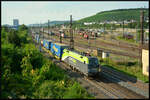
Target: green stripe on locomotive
81	58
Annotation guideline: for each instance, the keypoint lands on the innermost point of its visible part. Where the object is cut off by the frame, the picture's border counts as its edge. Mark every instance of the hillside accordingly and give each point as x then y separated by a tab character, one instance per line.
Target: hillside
117	15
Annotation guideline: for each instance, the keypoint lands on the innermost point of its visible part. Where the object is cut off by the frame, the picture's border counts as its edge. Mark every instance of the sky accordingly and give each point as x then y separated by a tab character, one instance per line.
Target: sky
31	12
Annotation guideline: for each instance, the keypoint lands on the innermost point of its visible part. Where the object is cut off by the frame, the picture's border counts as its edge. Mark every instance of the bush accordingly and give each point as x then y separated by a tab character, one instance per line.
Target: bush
14	38
49	90
51	72
76	92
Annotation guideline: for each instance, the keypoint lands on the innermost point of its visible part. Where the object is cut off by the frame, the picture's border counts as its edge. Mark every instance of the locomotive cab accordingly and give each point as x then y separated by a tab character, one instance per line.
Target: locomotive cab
93	66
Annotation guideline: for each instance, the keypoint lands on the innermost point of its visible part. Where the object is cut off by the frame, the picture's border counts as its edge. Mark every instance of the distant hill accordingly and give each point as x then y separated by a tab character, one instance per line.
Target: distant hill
51	23
117	15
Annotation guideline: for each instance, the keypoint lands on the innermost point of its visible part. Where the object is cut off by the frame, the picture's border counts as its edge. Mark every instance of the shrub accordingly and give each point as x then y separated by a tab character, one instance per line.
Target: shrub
49	90
76	92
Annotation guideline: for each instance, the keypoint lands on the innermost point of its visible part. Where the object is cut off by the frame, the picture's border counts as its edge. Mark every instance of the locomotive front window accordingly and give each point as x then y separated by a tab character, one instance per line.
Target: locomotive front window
93	61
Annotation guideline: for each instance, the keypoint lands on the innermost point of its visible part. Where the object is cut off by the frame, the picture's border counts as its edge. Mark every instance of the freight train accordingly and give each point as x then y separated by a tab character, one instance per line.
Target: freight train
86	64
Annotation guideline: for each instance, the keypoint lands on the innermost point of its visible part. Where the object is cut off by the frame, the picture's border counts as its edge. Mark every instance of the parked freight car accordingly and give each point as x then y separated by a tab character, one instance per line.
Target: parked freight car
86	36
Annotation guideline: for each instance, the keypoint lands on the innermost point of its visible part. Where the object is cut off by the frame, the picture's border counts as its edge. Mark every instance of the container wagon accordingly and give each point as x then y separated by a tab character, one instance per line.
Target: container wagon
57	49
47	44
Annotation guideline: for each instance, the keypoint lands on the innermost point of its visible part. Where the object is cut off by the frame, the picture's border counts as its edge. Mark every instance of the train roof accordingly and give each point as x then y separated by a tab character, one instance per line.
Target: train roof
81	53
60	44
49	40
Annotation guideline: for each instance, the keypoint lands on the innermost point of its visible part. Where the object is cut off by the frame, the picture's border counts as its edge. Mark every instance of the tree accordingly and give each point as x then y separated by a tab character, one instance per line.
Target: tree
22	27
14	38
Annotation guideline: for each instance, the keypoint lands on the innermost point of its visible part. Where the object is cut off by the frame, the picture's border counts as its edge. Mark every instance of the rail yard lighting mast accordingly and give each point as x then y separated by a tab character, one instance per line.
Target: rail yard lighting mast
123	28
39	38
71	35
43	31
104	29
141	37
48	27
60	37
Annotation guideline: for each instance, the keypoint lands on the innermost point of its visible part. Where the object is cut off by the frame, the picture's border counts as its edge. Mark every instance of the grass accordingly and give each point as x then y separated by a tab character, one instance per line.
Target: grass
127	40
130	68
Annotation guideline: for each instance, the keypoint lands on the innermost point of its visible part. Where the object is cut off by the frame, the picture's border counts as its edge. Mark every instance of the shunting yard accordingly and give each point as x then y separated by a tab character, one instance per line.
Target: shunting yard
124	85
105	87
100	87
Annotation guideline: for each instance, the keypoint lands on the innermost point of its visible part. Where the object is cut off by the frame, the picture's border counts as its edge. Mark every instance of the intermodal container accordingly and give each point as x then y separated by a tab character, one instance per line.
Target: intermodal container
47	44
57	49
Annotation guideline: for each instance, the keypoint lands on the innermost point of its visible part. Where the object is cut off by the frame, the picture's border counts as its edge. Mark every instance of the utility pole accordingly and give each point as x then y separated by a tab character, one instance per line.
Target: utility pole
43	32
95	38
141	37
39	28
71	35
89	39
123	28
104	30
39	38
60	37
48	27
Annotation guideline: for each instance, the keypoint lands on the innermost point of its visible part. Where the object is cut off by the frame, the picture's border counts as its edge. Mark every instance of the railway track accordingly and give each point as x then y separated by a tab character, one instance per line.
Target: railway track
78	44
99	87
115	43
126	81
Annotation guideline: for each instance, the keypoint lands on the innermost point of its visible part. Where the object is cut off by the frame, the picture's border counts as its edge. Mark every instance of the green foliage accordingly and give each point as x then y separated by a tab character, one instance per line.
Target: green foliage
51	72
28	74
76	92
114	15
26	65
14	38
49	90
117	15
10	55
36	57
23	27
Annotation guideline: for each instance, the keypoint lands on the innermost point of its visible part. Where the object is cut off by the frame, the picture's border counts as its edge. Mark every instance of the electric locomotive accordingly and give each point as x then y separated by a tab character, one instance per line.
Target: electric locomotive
86	64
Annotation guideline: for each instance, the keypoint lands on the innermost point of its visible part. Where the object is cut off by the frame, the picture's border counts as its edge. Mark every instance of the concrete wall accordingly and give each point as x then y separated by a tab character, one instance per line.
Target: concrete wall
145	62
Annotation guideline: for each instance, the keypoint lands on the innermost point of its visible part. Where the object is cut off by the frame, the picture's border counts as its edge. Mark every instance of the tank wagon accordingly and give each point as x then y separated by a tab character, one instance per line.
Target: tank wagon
86	64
